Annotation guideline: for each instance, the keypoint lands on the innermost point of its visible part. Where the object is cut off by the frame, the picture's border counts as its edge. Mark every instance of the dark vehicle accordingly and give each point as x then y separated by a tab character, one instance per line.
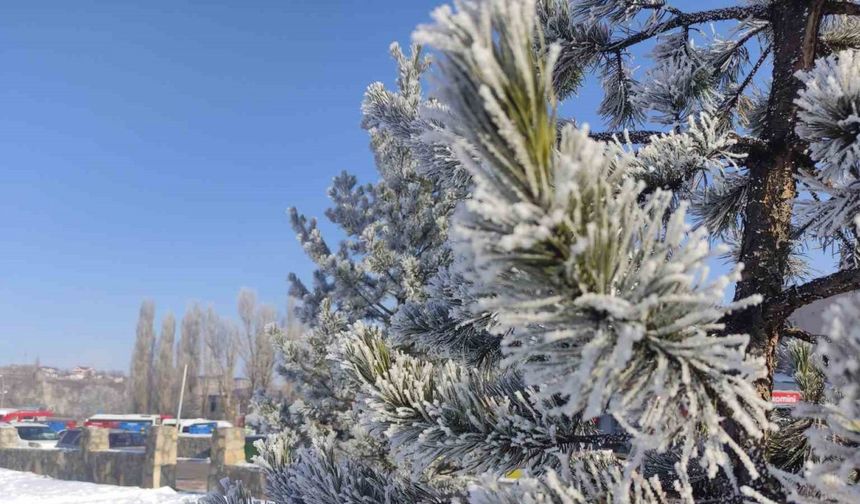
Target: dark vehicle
59	425
117	440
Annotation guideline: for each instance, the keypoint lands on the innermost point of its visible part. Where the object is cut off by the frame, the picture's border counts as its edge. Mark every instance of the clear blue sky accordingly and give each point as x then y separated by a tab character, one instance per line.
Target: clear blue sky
151	149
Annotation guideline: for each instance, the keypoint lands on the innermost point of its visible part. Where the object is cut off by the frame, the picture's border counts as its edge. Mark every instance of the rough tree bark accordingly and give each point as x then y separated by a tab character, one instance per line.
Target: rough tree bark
766	242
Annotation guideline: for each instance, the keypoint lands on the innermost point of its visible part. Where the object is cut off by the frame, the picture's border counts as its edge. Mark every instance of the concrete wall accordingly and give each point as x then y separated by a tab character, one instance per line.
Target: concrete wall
155	467
227	458
95	462
194	446
253	478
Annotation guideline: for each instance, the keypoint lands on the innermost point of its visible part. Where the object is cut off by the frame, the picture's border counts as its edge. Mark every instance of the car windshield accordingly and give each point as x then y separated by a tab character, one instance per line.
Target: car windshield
34	433
71	438
126	440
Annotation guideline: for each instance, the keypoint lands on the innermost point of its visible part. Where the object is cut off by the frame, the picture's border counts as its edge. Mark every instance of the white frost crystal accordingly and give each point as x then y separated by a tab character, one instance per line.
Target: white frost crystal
828	114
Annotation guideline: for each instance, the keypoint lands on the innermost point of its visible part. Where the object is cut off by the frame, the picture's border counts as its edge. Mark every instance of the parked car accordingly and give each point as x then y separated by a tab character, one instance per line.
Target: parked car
4	412
197	425
132	423
59	425
118	439
36	435
786	392
26	414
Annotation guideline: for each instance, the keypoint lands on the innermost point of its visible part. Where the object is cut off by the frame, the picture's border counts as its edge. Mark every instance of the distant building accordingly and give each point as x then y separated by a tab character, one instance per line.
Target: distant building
213	403
82	373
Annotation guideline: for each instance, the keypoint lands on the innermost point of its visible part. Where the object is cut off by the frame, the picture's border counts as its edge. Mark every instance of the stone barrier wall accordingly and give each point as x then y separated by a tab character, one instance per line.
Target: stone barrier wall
95	462
253	478
152	468
227	460
195	446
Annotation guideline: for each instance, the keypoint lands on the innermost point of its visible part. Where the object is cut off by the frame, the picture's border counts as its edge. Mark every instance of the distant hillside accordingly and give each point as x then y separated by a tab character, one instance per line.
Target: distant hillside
77	393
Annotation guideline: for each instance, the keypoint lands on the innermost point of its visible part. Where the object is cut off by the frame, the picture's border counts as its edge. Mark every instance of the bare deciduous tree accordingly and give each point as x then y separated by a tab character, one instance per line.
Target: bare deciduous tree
256	347
140	383
164	369
189	355
221	342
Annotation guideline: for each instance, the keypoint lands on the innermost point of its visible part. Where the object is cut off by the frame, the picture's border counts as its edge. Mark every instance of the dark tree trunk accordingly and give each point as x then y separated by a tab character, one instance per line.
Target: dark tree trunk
766	242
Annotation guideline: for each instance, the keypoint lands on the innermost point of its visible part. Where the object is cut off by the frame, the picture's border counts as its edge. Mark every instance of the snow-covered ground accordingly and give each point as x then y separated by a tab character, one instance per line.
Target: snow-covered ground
28	488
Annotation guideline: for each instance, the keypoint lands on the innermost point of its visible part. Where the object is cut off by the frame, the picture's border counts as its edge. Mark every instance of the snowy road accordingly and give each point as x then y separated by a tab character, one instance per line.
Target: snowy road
27	488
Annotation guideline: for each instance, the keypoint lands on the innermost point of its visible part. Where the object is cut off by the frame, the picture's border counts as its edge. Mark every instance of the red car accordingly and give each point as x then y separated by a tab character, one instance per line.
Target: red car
26	415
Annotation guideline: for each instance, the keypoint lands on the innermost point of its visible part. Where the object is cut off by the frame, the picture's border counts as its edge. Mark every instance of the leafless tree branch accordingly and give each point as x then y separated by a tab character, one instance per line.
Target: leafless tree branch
732	101
688	19
636	136
795	297
800	334
843	8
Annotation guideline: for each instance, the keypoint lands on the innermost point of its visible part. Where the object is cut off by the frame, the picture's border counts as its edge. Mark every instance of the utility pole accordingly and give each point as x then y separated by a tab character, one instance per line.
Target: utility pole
181	398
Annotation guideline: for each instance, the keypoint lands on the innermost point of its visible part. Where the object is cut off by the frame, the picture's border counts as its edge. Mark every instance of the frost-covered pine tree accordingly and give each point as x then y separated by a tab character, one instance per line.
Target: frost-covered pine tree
512	276
396	233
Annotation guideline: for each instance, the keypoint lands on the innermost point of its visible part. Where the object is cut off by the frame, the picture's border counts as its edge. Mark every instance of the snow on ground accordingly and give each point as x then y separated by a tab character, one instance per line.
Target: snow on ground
28	488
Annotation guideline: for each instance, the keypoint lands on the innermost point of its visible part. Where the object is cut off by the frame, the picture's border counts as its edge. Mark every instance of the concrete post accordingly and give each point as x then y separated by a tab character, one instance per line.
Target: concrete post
160	464
8	437
95	439
228	448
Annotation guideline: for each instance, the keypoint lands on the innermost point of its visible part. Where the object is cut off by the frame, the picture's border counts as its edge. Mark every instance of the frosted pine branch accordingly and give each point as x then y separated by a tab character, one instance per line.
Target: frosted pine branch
322	476
718	206
743	143
681	162
446	326
468	420
583	482
828	117
826	218
839	33
831	476
601	299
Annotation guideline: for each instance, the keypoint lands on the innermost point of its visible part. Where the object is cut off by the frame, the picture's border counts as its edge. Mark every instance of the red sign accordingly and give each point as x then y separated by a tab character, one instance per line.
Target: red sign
104	424
785	397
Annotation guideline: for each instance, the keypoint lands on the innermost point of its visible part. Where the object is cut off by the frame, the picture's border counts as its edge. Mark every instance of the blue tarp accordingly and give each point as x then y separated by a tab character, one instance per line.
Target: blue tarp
201	428
57	425
134	426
